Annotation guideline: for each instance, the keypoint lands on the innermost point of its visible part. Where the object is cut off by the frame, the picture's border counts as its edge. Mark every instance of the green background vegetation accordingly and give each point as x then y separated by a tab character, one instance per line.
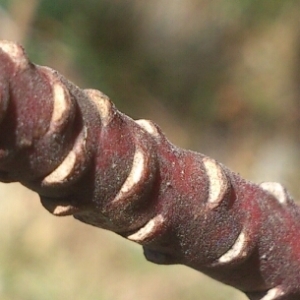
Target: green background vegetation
220	76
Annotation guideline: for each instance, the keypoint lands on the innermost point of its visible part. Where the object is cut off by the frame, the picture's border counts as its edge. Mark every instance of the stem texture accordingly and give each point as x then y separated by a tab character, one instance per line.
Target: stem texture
85	158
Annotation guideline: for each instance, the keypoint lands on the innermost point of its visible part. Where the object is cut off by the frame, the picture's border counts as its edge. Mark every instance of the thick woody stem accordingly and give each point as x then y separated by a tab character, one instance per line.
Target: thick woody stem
85	158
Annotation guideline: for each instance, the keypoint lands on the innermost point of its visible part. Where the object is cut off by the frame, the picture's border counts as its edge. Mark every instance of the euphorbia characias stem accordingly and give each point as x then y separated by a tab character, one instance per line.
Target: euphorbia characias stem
85	158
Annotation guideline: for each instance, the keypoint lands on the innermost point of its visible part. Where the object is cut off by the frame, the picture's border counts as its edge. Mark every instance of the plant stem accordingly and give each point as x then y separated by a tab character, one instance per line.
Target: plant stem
85	158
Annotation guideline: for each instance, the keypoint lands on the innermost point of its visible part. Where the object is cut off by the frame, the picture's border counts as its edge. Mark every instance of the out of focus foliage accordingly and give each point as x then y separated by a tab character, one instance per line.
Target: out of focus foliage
220	76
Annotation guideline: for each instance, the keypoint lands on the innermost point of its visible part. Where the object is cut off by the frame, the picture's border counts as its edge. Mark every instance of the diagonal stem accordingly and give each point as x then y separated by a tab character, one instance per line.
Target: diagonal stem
85	158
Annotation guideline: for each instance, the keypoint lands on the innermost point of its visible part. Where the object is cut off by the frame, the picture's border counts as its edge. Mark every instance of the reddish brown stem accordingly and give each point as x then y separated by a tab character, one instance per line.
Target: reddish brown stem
85	158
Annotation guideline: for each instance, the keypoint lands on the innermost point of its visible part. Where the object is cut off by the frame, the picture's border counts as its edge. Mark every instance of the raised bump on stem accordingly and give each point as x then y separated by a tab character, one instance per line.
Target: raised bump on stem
277	190
62	103
16	54
148	126
218	183
58	207
273	294
237	251
103	105
70	164
136	176
61	210
148	230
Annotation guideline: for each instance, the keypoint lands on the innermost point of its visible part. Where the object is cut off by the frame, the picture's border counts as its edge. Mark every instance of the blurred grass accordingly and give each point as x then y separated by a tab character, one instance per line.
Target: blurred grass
220	77
43	257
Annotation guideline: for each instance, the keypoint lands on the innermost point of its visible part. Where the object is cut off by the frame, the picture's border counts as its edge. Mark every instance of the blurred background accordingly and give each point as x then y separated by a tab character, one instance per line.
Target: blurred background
219	76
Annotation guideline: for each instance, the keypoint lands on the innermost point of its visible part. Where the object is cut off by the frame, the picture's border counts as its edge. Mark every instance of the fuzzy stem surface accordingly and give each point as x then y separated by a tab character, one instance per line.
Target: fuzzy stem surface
85	158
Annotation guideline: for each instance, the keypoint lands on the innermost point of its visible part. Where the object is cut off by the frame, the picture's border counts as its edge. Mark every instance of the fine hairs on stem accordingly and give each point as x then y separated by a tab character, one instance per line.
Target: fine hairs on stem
85	158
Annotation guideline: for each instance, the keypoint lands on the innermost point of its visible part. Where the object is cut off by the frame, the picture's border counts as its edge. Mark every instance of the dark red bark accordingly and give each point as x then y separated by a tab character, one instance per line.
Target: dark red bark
85	158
